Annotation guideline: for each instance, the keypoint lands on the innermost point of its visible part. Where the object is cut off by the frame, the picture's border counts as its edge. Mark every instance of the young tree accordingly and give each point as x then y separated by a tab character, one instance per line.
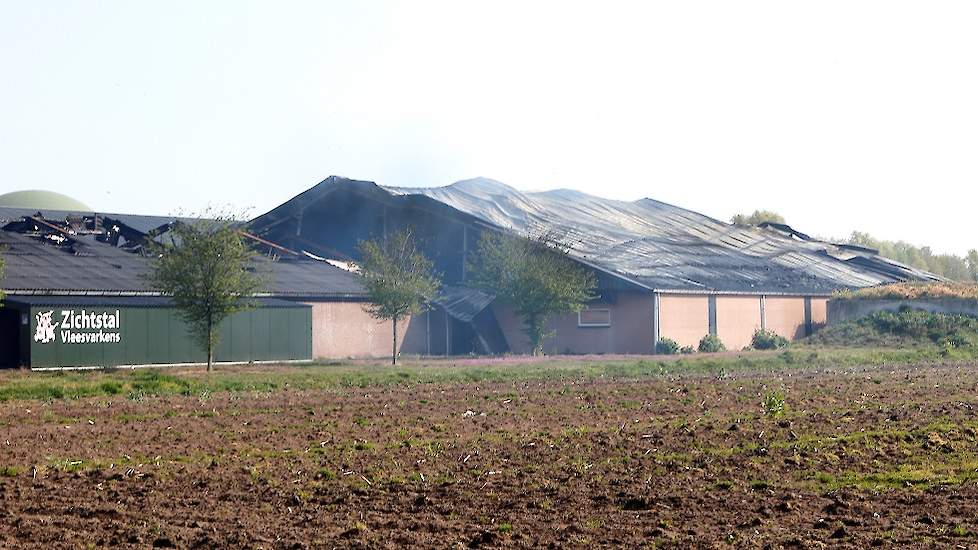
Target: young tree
973	264
536	275
205	267
399	279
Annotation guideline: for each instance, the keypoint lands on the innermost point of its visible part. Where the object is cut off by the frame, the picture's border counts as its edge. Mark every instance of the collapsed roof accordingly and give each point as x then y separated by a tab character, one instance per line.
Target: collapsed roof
646	243
74	253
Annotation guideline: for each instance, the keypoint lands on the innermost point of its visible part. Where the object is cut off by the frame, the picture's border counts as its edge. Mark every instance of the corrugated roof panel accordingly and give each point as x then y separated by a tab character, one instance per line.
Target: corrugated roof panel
32	265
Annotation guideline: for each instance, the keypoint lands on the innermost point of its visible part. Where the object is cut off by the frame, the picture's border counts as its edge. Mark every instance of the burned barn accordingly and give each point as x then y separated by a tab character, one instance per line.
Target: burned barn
76	295
663	271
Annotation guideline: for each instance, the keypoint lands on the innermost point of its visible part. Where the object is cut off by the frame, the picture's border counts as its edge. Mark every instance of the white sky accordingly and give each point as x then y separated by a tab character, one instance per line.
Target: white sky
840	115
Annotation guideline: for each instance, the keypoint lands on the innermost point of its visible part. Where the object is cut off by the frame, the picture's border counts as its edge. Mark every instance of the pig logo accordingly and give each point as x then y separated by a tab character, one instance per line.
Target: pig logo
45	328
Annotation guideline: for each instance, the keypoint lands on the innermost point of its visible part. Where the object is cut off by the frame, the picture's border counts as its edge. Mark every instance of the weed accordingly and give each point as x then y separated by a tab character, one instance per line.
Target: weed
723	485
961	531
773	404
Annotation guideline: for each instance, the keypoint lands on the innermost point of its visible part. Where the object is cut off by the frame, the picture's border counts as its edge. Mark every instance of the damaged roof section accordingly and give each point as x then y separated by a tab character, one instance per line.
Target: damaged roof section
645	243
664	247
88	254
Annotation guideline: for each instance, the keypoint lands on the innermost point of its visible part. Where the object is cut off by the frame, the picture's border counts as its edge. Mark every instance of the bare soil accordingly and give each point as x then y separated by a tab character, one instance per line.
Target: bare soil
859	458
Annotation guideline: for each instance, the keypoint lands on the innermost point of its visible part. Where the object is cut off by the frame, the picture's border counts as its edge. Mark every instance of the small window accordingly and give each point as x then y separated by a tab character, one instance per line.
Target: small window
600	317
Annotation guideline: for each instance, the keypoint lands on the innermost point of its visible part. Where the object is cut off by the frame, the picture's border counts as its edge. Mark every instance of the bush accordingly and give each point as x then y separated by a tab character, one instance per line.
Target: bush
711	343
667	346
913	291
906	327
687	350
766	339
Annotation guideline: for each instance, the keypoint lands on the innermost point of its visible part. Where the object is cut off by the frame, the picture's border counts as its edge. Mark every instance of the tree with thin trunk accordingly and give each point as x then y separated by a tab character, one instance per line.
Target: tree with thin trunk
399	279
209	271
535	275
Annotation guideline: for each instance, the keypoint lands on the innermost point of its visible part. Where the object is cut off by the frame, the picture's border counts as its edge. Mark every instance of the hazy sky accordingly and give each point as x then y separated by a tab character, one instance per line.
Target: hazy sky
840	115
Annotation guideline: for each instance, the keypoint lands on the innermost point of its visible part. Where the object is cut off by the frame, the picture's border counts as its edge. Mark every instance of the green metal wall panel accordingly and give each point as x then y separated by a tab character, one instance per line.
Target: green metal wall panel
261	349
241	336
87	354
148	335
135	335
300	332
116	354
180	343
222	352
278	336
158	329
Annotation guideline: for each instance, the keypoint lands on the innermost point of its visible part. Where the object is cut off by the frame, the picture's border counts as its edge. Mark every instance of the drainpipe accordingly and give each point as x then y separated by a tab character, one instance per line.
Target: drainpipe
809	329
712	312
655	321
763	312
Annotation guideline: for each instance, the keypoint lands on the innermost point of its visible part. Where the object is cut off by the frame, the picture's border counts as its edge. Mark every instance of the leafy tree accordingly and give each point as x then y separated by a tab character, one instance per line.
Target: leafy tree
398	278
206	267
757	218
949	266
536	275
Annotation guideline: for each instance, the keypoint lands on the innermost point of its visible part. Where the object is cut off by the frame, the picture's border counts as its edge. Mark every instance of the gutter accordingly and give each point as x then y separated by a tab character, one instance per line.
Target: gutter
742	293
151	294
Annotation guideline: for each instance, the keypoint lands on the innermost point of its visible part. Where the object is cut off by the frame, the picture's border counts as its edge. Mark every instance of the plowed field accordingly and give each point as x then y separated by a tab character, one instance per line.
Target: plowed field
853	457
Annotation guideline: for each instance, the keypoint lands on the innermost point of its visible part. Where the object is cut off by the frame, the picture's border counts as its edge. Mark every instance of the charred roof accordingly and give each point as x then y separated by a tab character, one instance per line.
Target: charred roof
645	243
68	253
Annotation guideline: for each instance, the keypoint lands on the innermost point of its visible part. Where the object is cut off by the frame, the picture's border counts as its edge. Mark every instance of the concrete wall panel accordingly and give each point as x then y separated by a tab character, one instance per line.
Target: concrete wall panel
786	316
845	310
685	319
737	319
820	316
630	330
346	329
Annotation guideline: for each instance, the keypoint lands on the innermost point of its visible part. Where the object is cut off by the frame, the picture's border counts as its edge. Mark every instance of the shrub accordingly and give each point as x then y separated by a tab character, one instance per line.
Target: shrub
666	346
913	291
711	343
766	339
687	350
905	327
